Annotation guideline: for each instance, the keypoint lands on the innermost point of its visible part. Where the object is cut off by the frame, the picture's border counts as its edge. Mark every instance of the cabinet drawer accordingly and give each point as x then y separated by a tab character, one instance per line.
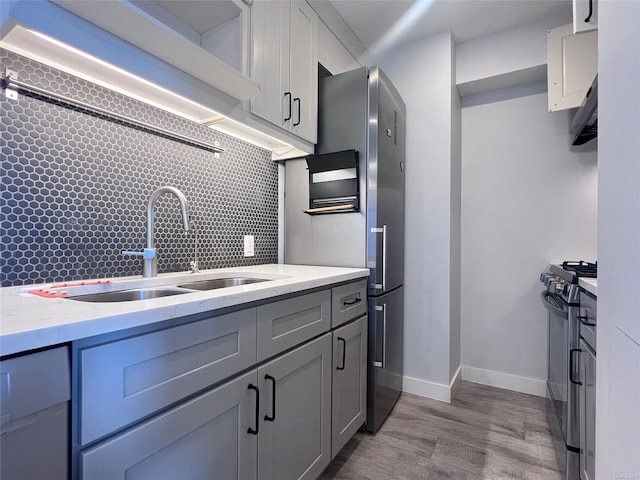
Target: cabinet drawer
588	318
588	307
285	324
123	381
348	302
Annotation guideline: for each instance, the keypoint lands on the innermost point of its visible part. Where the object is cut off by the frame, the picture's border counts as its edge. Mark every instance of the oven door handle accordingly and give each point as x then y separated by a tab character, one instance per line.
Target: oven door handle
551	307
583	321
572	365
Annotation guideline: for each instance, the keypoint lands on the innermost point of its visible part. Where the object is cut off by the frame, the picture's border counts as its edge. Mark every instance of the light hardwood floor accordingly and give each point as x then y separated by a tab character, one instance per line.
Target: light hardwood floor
485	433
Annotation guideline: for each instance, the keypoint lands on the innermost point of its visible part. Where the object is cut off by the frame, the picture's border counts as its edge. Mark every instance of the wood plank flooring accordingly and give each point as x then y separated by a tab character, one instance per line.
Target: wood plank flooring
485	433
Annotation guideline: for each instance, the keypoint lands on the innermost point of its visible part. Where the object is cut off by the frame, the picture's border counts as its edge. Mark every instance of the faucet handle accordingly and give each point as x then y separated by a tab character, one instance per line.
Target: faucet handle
147	253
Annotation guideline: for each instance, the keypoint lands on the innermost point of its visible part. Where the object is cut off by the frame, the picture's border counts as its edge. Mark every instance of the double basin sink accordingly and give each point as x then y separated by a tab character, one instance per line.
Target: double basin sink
158	292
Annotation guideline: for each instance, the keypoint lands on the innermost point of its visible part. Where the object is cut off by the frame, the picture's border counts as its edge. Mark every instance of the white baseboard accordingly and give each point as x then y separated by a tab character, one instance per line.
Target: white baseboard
433	390
532	386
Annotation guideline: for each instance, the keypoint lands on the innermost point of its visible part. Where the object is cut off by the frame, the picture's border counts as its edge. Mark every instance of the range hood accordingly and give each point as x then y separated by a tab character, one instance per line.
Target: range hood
584	125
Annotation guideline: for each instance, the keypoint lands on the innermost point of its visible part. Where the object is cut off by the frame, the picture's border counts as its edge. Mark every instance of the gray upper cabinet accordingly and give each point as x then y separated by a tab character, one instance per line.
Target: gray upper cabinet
284	62
349	389
295	440
123	381
205	438
287	323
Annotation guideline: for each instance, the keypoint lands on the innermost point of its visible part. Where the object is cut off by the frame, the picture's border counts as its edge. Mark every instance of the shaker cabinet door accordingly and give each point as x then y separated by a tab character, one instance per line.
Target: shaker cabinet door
270	61
349	388
304	71
205	438
284	61
295	418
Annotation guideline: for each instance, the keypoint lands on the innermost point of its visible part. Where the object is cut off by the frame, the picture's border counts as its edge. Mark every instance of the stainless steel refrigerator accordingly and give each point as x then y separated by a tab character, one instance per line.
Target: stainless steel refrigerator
359	111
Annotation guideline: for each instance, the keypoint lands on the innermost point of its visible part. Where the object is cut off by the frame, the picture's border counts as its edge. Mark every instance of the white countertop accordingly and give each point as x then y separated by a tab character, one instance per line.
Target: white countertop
29	321
589	284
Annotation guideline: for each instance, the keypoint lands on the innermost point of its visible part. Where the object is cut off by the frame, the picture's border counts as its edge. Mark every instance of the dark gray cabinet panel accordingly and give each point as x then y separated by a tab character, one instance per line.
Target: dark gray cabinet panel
34	404
297	443
124	381
348	302
205	438
349	388
587	412
287	323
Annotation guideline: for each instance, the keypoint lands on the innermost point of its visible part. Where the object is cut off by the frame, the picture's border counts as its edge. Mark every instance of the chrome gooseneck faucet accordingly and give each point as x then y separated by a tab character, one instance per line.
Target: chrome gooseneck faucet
150	254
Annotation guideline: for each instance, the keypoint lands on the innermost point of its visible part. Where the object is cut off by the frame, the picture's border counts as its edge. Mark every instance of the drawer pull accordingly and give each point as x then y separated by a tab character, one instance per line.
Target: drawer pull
355	301
344	350
257	429
273	399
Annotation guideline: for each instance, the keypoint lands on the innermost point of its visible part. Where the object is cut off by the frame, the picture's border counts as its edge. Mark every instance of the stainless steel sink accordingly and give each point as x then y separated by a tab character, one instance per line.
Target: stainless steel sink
129	295
221	283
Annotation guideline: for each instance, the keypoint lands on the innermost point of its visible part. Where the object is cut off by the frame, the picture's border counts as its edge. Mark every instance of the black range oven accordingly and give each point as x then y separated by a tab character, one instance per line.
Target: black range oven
561	298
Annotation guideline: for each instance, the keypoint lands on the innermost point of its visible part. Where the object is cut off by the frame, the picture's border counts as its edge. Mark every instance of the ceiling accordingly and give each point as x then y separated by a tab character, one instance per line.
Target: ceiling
381	24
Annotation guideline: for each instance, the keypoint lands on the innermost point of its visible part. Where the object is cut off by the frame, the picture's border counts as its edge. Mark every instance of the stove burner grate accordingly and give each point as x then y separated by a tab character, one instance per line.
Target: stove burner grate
582	268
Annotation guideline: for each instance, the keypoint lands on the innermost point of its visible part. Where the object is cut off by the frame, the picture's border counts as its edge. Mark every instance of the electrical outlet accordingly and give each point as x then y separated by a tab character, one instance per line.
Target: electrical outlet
249	246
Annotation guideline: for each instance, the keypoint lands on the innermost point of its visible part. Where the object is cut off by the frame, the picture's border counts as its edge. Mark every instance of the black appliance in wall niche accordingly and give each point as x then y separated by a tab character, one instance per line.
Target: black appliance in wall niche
334	183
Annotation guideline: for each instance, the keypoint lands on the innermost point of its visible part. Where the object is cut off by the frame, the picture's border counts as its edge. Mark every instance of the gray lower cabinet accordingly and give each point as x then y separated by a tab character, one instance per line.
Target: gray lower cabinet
294	441
273	422
204	438
349	389
218	435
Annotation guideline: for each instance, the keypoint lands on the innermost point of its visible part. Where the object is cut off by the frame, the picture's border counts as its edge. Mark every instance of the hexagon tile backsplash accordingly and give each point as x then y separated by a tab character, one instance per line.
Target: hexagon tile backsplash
75	187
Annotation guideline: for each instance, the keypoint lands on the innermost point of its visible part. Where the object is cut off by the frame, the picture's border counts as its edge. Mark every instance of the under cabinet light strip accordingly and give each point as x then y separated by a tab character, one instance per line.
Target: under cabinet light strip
8	82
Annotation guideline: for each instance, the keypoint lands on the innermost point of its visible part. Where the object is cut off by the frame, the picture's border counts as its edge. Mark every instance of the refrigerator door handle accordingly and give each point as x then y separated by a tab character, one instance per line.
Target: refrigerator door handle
383	363
383	231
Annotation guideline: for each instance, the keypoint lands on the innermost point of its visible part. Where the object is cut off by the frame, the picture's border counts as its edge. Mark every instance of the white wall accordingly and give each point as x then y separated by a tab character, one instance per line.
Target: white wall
528	199
618	355
506	51
422	72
